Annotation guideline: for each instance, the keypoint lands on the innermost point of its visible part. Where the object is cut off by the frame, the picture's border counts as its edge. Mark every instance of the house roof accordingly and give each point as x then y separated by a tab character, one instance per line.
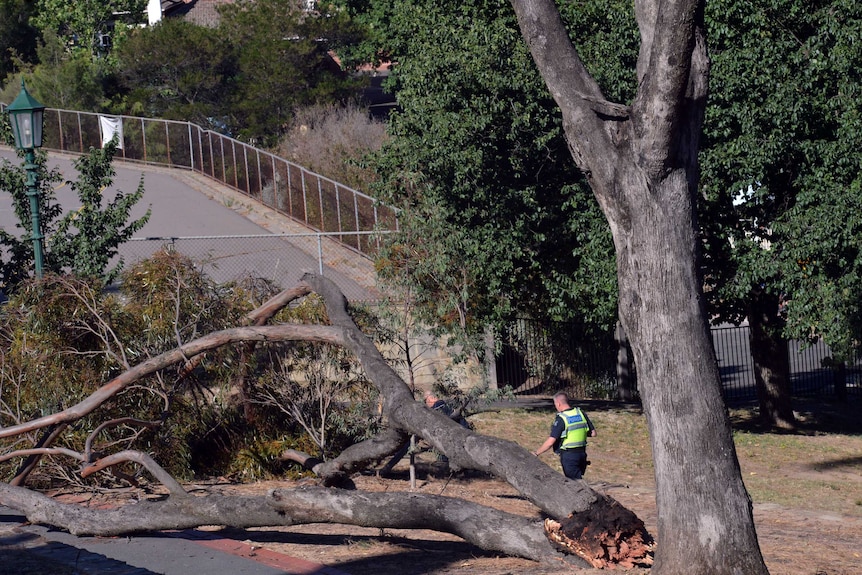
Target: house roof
200	12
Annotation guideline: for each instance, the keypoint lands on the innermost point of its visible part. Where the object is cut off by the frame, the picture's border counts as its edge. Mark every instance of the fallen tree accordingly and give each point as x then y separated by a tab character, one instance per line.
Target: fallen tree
612	527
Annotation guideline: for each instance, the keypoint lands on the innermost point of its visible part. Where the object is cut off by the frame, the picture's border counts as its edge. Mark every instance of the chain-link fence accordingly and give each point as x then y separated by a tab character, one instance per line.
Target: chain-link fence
321	204
280	258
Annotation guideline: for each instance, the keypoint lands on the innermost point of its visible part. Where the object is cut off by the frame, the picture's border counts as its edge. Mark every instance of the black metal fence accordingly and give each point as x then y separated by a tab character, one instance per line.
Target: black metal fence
811	371
544	357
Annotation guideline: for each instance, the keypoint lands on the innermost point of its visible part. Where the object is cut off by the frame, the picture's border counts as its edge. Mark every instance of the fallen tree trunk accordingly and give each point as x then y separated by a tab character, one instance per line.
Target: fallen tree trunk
482	526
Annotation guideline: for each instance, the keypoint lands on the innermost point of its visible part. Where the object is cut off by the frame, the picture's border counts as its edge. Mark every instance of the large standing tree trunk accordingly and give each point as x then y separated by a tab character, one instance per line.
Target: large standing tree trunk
771	360
625	377
641	162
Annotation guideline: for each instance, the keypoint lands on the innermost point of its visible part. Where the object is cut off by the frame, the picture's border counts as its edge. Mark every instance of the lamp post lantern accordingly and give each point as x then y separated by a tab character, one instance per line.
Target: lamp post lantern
25	115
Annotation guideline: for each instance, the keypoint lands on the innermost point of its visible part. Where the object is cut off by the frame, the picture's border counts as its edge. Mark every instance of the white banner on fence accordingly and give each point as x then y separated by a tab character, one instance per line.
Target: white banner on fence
108	126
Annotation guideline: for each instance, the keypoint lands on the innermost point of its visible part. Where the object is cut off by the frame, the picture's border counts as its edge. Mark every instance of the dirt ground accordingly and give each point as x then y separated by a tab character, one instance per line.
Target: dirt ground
793	542
818	536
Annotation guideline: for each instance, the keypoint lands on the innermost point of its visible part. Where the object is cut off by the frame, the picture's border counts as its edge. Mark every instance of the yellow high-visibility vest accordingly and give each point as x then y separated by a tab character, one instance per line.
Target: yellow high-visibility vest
575	434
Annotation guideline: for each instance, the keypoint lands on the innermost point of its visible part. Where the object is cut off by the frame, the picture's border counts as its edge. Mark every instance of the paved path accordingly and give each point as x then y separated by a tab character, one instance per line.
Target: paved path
188	552
186	204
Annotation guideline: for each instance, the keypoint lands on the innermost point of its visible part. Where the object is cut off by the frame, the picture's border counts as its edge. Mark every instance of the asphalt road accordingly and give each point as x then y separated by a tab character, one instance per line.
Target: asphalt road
187	552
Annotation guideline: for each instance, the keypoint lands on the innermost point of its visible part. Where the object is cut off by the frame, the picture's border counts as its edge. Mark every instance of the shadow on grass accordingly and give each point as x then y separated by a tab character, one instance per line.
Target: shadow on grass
814	415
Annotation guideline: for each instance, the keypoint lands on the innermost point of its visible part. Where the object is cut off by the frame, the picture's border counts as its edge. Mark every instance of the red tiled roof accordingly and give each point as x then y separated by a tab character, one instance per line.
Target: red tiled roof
200	12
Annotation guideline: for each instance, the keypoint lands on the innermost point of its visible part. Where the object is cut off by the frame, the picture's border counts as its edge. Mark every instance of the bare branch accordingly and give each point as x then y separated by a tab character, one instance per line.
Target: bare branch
276	303
102	329
29	464
143	459
88	445
42	451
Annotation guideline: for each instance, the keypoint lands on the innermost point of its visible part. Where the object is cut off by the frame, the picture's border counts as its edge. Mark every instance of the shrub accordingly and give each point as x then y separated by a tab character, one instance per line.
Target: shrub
333	141
62	338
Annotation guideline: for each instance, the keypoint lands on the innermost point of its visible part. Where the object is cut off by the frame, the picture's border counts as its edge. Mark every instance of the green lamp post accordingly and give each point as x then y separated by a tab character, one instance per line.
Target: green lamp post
25	115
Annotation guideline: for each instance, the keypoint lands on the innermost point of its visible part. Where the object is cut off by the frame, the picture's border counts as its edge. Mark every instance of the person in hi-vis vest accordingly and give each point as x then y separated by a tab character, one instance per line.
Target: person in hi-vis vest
569	437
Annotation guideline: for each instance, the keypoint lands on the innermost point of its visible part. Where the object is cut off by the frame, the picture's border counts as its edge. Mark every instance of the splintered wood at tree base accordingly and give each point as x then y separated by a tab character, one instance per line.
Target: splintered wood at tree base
612	537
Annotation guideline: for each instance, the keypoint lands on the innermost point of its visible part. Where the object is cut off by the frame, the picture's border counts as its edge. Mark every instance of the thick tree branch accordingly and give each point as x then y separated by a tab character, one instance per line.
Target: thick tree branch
142	459
592	125
353	458
287	332
259	316
664	70
549	490
276	303
483	526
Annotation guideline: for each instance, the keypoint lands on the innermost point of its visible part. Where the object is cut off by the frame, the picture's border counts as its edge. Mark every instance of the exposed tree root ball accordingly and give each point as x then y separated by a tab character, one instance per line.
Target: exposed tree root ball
606	536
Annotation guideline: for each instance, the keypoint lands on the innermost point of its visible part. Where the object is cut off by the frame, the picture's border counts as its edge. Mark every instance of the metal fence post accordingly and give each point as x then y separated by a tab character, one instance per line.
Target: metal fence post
191	148
144	139
320	253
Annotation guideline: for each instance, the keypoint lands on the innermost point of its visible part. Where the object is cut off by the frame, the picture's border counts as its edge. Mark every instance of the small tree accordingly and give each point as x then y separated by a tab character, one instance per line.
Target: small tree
84	241
18	260
100	228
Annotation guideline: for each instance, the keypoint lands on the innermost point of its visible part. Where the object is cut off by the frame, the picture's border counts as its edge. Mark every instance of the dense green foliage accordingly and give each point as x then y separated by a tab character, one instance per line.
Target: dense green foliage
496	220
781	164
86	240
80	22
246	77
176	70
283	61
17	36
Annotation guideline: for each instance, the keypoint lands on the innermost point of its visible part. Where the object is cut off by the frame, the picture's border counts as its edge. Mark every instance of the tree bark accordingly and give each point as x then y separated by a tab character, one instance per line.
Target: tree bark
771	360
641	163
625	390
485	527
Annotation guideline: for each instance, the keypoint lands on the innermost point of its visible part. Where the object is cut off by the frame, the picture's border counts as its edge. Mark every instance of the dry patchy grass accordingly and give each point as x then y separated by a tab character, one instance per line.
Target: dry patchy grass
817	469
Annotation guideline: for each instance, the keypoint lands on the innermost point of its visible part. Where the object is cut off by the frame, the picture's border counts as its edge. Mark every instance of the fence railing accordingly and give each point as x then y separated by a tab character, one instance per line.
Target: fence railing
810	370
279	258
318	202
541	358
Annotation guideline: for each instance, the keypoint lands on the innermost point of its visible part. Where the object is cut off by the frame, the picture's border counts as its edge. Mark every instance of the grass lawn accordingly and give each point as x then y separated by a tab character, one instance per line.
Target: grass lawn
818	469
